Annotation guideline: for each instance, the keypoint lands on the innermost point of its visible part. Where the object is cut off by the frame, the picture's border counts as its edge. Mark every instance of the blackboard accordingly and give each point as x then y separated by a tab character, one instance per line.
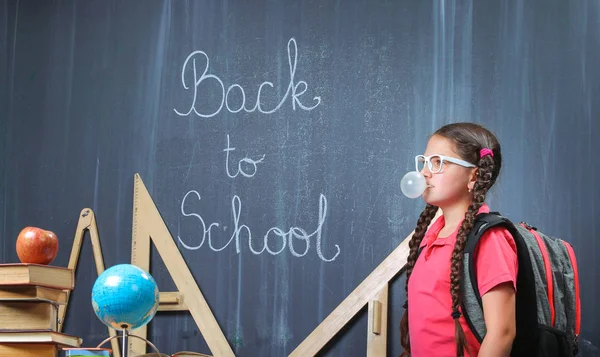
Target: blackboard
287	116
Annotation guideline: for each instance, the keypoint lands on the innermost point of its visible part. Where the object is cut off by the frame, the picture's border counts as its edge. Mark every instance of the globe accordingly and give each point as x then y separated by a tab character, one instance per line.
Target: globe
125	297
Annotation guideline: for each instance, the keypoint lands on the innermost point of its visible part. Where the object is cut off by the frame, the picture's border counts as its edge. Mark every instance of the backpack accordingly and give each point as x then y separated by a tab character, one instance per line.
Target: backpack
548	309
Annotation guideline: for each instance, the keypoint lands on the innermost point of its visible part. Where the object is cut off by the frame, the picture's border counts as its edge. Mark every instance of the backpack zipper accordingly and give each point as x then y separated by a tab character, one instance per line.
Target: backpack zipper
547	268
528	226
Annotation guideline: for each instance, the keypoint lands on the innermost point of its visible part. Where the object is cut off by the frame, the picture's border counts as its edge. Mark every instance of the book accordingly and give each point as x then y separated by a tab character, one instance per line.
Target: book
25	315
36	274
32	293
88	352
177	354
39	336
28	350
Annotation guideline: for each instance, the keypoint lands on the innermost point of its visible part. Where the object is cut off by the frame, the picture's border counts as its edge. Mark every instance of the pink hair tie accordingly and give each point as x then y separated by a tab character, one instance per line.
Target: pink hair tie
485	151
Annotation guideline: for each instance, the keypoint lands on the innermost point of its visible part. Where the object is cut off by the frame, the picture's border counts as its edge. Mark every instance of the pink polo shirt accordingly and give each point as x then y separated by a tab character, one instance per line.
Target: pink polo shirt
431	327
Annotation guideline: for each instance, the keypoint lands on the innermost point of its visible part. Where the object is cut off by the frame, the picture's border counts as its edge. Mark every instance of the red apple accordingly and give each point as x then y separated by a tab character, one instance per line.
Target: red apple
36	245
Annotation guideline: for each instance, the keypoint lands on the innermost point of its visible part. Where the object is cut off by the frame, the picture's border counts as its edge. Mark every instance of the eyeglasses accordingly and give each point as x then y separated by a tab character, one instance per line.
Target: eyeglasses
435	162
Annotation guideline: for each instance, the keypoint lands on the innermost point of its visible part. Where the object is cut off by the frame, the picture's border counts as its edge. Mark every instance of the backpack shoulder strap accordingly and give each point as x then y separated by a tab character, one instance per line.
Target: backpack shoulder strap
526	299
472	305
483	222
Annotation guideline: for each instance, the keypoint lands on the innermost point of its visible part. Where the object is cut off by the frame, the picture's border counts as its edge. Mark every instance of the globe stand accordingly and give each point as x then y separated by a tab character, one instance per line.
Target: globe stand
124	348
125	336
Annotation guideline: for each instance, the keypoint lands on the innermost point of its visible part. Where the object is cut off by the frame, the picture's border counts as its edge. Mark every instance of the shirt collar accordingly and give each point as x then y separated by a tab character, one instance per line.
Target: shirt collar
431	237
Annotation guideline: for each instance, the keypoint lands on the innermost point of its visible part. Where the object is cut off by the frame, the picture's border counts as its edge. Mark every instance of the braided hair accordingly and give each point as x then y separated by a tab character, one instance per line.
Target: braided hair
414	243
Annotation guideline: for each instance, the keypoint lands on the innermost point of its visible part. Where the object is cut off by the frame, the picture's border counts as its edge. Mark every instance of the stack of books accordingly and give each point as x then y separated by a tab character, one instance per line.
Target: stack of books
29	298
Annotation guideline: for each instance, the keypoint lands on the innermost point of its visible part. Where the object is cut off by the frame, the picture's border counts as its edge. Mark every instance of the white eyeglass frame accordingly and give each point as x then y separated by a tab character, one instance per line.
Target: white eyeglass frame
427	160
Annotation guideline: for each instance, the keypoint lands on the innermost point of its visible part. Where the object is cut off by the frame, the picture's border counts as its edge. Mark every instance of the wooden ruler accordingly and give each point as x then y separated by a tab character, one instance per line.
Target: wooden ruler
373	291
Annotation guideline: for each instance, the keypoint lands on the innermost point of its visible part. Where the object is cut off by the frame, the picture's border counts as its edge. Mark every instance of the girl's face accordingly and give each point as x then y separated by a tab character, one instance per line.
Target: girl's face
451	185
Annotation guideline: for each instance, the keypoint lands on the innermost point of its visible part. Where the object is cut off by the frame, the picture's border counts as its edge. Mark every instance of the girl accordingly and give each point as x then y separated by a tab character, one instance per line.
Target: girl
460	165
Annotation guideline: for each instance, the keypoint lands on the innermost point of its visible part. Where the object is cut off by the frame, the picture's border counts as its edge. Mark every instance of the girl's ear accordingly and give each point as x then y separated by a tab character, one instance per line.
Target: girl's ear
473	179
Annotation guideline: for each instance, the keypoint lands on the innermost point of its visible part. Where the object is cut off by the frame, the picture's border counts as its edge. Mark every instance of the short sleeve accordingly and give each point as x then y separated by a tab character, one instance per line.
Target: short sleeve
496	260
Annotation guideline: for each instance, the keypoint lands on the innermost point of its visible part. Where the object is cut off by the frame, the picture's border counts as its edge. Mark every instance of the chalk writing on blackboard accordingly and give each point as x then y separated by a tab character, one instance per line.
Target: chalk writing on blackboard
274	241
245	160
203	84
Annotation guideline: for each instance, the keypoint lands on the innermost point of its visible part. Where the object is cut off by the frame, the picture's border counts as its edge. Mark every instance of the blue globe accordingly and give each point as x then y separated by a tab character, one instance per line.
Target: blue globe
125	297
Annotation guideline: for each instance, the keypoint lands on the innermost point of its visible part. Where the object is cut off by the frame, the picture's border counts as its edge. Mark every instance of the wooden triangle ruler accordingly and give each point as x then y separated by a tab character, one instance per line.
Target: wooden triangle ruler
149	225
